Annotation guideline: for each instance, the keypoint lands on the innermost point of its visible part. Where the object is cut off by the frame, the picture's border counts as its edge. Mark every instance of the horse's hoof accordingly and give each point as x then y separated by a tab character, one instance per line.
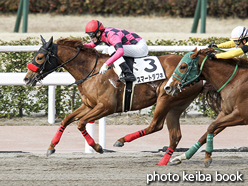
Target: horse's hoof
50	152
118	144
100	150
208	162
175	161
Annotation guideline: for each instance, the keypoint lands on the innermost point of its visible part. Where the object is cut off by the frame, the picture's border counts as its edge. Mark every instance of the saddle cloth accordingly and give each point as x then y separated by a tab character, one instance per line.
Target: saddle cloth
145	69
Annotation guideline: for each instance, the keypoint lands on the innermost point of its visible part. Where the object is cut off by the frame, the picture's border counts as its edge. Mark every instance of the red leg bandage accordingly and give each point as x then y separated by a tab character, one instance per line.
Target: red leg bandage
58	135
166	157
88	138
133	136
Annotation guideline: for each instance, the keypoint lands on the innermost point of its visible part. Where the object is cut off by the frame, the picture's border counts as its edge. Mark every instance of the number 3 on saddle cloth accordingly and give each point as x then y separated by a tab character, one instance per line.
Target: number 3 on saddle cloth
145	69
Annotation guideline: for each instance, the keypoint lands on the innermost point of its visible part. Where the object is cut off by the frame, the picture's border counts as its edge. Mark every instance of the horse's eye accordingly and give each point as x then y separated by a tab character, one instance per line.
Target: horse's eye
39	58
183	67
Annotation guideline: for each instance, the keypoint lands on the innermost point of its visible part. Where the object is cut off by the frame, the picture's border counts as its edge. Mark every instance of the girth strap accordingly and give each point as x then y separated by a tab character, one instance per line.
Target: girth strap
127	96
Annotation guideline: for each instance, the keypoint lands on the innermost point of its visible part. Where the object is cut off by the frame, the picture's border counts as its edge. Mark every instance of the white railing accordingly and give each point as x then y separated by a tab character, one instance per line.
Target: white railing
159	48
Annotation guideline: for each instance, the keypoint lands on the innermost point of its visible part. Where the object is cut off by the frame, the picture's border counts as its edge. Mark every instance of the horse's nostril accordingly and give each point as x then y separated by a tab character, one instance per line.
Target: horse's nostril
167	88
25	79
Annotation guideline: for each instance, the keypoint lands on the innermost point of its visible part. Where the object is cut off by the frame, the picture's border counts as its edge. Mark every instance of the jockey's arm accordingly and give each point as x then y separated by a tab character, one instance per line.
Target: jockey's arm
233	53
119	53
228	44
91	45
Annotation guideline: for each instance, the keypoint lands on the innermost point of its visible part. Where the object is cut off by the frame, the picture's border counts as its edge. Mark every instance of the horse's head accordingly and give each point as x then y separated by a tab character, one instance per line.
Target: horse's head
186	74
43	63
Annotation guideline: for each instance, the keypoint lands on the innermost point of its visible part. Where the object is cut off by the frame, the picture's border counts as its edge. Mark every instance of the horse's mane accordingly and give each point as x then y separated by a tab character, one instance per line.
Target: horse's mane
212	97
242	62
75	43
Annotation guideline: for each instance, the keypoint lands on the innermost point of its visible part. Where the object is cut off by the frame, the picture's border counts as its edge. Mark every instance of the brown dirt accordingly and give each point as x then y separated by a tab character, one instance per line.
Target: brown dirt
75	23
149	27
123	169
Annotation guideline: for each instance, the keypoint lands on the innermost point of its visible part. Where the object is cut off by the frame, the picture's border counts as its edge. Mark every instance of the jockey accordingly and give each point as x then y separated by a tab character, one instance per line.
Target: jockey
239	38
122	43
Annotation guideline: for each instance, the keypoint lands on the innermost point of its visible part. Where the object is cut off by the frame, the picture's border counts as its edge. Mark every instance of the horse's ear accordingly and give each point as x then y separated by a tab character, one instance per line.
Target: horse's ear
43	40
195	54
49	43
195	49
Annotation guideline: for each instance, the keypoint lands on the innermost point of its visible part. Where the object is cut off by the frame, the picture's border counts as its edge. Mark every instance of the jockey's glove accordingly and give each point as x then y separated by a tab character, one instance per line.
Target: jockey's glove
212	46
211	56
103	69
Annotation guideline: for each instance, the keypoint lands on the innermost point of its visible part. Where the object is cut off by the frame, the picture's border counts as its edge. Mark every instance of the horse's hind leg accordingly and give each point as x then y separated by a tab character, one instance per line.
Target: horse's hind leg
77	114
189	154
155	125
222	121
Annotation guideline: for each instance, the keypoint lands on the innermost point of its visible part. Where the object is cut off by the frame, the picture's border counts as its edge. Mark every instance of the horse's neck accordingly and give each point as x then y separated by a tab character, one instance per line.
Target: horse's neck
217	73
81	66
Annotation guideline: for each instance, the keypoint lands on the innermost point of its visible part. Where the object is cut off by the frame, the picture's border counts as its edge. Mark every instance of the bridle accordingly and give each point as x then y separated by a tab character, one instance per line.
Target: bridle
52	59
51	54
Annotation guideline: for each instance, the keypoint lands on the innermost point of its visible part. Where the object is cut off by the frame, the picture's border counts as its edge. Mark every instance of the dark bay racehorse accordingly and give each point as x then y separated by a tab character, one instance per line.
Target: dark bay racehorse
102	94
230	78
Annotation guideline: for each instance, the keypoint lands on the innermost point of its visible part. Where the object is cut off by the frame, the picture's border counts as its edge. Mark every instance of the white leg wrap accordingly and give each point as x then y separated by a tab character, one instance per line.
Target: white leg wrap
179	158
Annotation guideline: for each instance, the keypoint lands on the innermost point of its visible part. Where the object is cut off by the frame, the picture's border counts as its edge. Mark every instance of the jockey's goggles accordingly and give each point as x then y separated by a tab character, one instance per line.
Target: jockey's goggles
92	34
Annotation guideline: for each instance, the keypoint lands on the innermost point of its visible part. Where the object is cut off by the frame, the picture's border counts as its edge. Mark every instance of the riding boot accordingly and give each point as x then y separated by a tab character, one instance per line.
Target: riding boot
127	73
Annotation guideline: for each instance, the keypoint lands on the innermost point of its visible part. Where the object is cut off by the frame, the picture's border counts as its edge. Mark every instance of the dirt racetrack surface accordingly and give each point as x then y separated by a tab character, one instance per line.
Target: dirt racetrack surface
24	162
122	169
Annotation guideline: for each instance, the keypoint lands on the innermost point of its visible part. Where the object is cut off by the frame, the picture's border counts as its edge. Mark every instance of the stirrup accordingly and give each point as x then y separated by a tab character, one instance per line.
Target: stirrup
120	78
125	79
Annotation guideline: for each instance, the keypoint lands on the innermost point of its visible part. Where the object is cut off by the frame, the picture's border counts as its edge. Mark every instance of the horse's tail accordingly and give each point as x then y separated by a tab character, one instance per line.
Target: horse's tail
211	97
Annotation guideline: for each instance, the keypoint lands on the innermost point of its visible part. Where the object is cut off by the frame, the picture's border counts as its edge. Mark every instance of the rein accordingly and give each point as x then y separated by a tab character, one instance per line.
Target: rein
88	76
219	49
235	70
236	67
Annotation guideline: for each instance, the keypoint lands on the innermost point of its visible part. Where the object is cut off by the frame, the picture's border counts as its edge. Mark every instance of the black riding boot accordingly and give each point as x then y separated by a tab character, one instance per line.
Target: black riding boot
127	73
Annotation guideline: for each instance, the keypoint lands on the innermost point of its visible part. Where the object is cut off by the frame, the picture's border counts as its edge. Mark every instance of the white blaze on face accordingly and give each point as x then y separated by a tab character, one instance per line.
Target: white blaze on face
168	83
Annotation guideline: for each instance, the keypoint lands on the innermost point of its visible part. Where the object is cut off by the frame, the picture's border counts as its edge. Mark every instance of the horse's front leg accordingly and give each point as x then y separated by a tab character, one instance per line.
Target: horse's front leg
97	112
177	106
173	125
77	114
